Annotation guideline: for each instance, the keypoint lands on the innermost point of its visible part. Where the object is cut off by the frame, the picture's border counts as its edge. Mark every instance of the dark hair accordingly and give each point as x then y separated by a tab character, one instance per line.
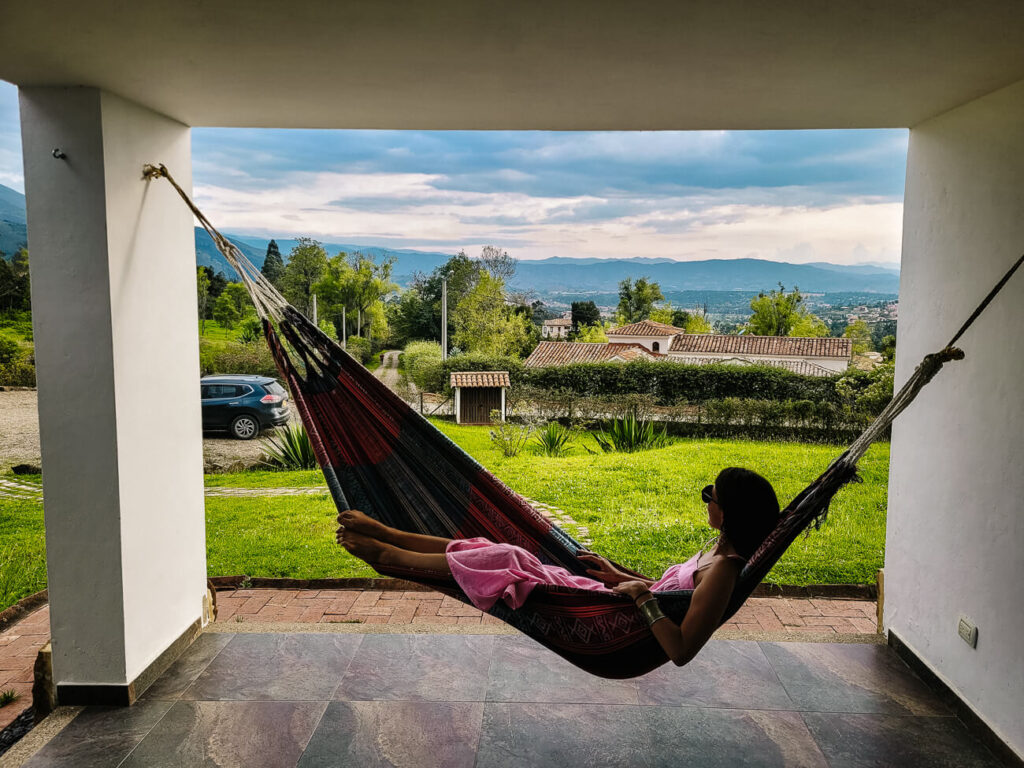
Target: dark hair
750	509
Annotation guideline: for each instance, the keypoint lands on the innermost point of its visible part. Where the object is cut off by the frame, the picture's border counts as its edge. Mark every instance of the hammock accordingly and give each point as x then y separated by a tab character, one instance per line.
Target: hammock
380	456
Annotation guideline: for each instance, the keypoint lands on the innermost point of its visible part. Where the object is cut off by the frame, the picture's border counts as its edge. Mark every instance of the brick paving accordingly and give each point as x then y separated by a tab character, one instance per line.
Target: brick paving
20	643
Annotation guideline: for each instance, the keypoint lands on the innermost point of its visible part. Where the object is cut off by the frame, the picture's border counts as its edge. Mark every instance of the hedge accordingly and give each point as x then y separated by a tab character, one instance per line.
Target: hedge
668	382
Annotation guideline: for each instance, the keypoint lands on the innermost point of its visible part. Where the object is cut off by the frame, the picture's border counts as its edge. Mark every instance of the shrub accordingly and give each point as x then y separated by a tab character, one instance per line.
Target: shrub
359	348
507	437
289	448
421	361
19	373
236	358
10	350
250	330
554	439
630	434
669	382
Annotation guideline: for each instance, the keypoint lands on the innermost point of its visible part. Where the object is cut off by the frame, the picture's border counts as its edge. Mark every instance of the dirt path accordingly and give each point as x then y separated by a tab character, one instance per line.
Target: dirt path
388	371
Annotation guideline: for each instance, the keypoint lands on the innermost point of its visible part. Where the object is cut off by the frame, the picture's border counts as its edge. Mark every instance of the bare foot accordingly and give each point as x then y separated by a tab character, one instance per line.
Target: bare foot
365	548
360	522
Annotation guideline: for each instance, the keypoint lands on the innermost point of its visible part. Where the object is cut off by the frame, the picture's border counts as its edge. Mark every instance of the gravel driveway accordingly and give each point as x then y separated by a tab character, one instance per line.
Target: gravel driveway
19	437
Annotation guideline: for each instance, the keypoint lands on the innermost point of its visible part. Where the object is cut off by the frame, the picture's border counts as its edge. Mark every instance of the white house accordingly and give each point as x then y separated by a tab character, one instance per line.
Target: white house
557	328
810	356
647	333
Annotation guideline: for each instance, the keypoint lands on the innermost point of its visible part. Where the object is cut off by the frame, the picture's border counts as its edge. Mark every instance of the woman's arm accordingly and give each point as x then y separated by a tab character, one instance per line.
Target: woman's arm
601	569
710	599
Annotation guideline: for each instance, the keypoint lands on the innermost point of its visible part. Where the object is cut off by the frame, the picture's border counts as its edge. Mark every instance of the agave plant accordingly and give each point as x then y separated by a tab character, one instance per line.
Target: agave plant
554	439
630	434
289	448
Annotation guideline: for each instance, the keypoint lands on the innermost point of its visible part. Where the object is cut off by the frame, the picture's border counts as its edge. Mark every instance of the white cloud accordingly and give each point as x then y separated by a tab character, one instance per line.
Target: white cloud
340	207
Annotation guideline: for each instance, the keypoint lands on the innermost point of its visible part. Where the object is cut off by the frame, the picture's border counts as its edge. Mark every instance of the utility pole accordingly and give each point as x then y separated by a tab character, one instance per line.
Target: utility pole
344	331
444	319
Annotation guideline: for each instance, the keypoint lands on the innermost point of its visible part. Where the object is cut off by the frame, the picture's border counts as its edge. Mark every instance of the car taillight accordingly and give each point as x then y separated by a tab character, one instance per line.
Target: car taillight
271	399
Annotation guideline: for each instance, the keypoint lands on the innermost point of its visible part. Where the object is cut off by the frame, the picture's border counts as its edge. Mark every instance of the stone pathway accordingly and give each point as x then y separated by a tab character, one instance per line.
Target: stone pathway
430	611
20	489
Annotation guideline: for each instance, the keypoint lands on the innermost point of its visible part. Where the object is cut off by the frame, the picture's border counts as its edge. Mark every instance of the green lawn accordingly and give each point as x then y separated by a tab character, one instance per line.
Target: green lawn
643	510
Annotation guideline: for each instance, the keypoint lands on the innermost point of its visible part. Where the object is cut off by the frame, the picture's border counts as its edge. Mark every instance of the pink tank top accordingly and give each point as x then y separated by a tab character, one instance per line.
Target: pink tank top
680	577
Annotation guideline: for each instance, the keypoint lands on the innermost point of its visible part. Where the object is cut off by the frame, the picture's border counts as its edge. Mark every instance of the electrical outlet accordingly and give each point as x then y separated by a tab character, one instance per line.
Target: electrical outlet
968	631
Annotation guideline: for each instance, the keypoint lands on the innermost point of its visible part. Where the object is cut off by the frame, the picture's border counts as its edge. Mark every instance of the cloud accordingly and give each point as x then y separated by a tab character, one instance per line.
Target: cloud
786	195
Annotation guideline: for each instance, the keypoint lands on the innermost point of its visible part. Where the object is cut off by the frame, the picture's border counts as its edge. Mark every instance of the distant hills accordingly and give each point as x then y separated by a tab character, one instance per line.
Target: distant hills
548	277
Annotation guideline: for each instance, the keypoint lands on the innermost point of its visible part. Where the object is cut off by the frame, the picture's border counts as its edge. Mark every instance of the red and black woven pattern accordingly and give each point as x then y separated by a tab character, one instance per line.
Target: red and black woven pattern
379	456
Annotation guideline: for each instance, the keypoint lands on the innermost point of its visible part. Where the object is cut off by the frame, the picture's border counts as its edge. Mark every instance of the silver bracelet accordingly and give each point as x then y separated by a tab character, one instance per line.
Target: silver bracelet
651	611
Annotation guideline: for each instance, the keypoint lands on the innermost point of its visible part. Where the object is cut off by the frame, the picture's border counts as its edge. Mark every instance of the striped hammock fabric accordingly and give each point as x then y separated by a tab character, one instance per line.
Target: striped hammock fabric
380	456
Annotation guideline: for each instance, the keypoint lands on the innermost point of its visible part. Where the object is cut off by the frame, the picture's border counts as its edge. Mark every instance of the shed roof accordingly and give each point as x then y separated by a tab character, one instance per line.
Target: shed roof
762	345
480	379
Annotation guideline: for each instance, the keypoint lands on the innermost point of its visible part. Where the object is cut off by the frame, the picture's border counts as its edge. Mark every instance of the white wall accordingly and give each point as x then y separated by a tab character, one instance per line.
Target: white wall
113	290
955	538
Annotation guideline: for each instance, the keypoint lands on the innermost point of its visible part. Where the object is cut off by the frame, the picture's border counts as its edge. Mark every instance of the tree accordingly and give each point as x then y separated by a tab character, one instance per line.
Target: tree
419	315
861	336
696	323
637	299
237	294
808	326
484	323
498	263
584	313
888	348
306	266
15	288
225	312
595	333
777	313
203	291
353	288
273	264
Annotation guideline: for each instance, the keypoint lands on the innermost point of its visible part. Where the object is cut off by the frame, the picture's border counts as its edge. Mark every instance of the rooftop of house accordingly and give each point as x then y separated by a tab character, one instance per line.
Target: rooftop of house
713	343
645	328
480	379
802	367
549	353
559	321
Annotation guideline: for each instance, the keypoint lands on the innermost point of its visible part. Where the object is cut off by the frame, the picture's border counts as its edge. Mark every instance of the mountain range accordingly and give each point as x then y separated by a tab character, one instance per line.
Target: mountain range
551	276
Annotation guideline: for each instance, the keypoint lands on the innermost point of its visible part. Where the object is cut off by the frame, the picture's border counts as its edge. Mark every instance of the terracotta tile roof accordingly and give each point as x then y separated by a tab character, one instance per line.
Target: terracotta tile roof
480	379
645	328
559	321
796	366
761	345
550	353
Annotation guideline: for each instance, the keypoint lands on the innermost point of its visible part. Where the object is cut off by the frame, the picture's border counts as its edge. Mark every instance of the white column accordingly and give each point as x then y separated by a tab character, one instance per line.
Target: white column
955	533
114	313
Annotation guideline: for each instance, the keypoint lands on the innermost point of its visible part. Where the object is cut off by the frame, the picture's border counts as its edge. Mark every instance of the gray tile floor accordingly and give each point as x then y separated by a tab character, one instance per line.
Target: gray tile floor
488	701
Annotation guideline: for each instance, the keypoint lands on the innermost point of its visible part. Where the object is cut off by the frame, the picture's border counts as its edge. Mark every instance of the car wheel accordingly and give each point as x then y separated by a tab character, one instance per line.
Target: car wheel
245	427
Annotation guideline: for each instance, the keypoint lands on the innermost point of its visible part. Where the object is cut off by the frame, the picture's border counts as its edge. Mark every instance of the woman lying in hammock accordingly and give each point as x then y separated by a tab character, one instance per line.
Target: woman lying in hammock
741	505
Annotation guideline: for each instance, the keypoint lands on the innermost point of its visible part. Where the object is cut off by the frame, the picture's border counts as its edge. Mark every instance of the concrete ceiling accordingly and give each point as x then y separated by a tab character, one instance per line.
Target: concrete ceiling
557	64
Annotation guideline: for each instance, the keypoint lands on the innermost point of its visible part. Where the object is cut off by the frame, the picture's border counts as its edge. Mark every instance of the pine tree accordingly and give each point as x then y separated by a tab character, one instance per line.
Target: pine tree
273	264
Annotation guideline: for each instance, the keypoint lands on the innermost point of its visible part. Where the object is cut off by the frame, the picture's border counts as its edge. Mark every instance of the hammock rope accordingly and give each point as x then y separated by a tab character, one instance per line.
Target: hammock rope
379	455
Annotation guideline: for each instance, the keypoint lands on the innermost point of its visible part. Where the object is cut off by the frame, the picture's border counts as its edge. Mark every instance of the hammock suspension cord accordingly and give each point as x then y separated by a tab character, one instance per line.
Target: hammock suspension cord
379	455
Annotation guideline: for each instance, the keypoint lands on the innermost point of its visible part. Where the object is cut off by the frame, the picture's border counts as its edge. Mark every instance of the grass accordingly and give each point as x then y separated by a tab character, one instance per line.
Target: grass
644	509
282	536
217	335
374	362
268	479
22	550
641	509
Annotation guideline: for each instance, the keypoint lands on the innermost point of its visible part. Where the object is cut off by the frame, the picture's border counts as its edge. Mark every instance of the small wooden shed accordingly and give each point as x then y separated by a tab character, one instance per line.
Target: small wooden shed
477	393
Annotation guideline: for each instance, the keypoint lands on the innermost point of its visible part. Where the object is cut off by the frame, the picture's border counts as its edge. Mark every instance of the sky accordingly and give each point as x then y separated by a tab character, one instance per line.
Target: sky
796	196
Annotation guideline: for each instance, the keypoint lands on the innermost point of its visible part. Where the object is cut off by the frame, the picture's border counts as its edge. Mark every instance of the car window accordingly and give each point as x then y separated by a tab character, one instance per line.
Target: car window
241	389
204	392
275	389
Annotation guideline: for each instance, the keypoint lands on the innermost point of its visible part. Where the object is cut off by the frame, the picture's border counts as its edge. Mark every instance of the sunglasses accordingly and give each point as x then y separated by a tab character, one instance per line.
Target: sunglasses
706	492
